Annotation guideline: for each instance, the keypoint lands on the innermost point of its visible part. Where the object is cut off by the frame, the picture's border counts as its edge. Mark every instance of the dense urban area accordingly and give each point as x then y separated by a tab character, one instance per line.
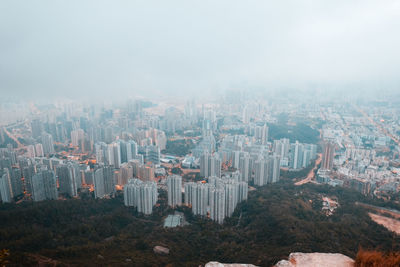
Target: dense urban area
249	179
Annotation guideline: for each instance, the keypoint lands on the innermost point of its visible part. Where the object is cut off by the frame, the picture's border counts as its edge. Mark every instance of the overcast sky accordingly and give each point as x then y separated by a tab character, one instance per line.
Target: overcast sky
72	48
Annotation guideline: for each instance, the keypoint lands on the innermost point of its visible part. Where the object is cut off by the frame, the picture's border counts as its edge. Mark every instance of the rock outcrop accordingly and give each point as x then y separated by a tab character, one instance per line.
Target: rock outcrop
218	264
160	250
299	259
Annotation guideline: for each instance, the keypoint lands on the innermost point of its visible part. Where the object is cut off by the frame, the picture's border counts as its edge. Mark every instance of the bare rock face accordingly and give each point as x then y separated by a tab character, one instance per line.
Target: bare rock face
161	250
218	264
299	259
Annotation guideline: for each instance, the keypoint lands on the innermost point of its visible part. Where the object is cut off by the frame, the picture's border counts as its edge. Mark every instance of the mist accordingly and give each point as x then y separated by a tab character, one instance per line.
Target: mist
119	49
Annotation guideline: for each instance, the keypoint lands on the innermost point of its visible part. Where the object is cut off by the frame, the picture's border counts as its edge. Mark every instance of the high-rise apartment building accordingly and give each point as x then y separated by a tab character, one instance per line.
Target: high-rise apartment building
267	170
44	186
6	192
261	134
174	183
37	128
30	151
39	151
217	205
104	184
152	154
67	179
16	182
196	195
296	155
281	147
218	198
275	169
77	137
244	166
262	171
210	165
47	142
328	155
142	195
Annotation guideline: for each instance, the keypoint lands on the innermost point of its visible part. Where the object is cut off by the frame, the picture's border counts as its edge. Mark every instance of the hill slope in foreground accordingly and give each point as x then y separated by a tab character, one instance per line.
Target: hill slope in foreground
276	220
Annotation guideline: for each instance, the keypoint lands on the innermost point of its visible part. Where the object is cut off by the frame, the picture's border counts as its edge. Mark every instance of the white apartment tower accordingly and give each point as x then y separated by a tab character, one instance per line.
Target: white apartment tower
174	183
142	195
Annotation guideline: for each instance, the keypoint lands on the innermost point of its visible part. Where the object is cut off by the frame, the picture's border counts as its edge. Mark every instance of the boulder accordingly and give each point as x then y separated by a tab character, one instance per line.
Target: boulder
160	250
218	264
299	259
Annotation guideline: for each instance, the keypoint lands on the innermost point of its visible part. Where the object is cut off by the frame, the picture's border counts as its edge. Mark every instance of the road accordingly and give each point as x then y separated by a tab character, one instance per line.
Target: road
13	138
311	174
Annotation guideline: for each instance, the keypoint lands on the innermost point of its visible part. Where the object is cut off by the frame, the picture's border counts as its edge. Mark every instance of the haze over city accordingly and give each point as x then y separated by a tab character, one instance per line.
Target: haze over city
200	133
163	48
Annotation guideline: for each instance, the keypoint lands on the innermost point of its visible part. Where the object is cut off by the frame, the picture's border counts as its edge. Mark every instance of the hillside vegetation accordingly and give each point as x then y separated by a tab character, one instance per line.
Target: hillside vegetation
276	220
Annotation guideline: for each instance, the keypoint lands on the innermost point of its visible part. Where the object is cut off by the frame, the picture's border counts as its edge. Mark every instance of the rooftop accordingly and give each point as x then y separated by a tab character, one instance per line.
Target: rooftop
173	221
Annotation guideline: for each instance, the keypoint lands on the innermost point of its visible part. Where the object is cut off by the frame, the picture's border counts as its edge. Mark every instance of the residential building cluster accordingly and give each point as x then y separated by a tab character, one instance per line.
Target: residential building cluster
361	151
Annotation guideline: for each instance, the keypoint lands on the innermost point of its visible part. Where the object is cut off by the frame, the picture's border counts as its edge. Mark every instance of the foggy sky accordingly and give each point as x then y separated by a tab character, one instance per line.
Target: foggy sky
127	48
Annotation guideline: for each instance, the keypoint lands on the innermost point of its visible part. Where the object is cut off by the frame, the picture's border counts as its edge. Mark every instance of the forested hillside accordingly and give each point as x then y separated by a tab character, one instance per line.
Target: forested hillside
276	220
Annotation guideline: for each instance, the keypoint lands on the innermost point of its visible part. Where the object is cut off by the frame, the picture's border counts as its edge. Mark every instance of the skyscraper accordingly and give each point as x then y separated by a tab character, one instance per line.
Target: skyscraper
2	138
296	155
275	168
44	186
99	190
264	135
116	150
152	154
189	193
5	187
267	170
77	136
126	173
210	165
218	198
47	142
101	150
129	150
306	158
88	177
196	194
39	152
231	197
243	191
281	147
28	172
67	179
125	150
217	205
134	150
104	184
142	195
37	128
327	156
16	182
174	183
244	166
261	134
204	165
30	151
262	171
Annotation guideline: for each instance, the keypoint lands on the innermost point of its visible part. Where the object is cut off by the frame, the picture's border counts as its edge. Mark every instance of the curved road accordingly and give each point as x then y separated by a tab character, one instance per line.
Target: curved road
311	174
